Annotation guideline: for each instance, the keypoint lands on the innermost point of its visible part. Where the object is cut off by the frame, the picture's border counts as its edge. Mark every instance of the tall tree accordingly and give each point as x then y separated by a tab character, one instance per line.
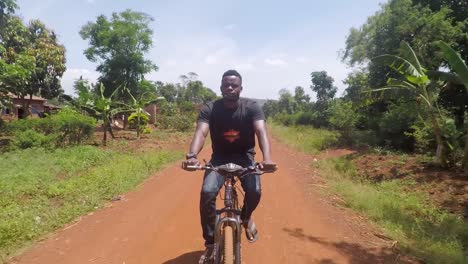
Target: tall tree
83	90
7	7
401	20
50	60
270	108
119	45
286	102
458	16
322	84
168	91
197	93
302	99
33	60
356	83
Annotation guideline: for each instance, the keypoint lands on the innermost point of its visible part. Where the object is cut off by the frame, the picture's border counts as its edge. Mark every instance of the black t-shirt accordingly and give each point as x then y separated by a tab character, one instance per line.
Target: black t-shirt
232	131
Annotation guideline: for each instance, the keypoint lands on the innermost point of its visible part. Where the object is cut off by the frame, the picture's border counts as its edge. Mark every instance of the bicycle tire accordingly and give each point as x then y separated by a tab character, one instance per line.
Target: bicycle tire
228	245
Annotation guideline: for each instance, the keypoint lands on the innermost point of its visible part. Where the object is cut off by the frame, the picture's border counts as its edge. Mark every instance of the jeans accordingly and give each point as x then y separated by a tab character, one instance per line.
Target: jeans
212	183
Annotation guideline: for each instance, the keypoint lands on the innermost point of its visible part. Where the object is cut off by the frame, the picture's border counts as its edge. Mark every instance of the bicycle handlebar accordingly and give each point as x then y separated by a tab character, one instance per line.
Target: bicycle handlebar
270	168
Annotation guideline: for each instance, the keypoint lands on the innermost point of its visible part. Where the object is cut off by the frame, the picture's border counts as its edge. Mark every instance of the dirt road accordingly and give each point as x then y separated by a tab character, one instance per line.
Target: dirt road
159	223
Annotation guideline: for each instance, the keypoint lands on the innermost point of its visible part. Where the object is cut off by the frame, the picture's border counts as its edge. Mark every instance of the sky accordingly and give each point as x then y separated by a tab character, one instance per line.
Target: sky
273	44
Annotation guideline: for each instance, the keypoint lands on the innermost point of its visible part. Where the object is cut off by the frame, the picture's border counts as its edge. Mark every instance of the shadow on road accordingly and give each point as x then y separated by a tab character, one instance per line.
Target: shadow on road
355	253
187	258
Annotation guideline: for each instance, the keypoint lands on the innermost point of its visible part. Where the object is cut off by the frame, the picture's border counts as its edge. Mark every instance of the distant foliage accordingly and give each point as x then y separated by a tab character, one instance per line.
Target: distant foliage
178	116
177	122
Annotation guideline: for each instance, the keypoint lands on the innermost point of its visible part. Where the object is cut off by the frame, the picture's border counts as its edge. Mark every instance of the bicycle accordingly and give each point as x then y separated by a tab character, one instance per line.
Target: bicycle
228	225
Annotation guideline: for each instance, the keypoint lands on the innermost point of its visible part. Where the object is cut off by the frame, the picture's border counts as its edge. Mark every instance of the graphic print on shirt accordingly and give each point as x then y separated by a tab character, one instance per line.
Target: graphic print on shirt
232	135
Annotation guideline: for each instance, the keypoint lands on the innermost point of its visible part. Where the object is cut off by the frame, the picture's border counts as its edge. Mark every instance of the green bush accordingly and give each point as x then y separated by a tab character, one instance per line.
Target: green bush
65	128
167	108
286	119
187	107
395	125
364	138
344	118
424	137
30	139
306	118
320	109
72	127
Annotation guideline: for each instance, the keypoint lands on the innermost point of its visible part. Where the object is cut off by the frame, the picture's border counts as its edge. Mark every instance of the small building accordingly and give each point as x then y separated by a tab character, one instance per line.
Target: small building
37	106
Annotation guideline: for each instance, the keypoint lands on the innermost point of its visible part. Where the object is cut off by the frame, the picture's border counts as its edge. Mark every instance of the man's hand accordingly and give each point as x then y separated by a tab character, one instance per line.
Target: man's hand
268	165
190	162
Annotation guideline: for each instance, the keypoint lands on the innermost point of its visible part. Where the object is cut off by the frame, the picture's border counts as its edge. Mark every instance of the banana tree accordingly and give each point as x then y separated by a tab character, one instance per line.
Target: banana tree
137	106
416	80
459	76
104	108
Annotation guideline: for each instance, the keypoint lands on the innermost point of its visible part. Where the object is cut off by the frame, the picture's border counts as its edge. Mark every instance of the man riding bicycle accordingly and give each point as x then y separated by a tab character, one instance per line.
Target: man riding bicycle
233	123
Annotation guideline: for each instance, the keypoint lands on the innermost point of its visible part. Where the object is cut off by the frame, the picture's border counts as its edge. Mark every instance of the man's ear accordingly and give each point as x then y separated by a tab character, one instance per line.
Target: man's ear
242	87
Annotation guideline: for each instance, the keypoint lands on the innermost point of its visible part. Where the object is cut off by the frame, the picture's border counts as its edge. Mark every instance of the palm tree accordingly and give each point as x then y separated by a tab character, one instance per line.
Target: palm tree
416	80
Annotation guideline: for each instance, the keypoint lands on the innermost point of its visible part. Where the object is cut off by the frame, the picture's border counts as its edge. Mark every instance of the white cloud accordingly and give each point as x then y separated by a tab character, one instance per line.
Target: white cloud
275	62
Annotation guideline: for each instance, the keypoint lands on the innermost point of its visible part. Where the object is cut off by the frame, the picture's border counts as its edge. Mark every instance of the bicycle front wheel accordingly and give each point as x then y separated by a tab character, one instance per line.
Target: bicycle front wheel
228	245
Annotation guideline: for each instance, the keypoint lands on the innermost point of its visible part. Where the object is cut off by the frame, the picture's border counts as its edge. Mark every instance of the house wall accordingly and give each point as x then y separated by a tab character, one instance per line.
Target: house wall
36	106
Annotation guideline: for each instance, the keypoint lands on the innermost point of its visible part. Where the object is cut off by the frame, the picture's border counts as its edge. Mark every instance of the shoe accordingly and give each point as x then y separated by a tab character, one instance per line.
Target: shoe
207	256
251	231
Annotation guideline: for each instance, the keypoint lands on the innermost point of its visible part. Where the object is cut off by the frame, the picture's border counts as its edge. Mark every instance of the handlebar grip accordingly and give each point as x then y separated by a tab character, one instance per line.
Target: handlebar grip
188	167
269	168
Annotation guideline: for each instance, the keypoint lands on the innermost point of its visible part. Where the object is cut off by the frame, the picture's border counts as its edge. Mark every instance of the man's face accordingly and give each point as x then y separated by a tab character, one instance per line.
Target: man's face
231	86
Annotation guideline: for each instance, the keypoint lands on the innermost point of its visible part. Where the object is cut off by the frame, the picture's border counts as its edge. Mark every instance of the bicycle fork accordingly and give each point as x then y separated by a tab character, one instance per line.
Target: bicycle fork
231	218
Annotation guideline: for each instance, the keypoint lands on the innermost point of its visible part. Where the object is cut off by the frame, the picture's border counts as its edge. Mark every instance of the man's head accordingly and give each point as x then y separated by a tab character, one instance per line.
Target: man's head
231	85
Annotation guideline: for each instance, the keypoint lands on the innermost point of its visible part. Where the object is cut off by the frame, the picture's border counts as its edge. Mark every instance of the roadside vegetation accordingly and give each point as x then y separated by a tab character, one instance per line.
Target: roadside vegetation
403	211
404	114
400	206
44	189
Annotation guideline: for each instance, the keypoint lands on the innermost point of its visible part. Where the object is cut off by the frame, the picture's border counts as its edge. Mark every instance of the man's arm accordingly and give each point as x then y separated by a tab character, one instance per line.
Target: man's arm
198	141
262	136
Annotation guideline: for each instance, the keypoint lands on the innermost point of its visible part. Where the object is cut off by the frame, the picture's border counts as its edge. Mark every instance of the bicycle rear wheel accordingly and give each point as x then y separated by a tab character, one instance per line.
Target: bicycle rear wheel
228	245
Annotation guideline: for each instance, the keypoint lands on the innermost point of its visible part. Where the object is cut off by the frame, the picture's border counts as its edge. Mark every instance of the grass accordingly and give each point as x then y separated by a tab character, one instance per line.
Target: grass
420	228
42	190
307	139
